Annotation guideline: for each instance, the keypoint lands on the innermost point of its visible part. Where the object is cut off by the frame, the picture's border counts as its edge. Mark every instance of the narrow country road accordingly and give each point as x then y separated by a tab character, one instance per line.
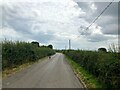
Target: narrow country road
49	73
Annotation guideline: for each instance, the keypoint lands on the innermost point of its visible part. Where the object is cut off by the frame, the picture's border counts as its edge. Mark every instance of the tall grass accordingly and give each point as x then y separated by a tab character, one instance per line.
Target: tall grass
104	66
18	53
113	48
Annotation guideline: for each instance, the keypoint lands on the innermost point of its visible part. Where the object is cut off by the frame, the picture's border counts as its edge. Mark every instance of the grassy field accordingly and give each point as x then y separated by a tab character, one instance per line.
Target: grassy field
105	66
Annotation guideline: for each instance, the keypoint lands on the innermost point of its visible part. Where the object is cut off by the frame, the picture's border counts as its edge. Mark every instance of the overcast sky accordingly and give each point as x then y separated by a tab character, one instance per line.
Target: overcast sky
56	21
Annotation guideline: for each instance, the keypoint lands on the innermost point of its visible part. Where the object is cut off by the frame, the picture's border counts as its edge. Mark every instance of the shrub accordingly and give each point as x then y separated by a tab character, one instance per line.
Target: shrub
105	66
17	53
102	50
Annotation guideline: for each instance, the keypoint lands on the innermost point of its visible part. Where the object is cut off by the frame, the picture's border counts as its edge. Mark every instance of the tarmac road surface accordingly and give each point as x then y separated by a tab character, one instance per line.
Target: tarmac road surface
49	73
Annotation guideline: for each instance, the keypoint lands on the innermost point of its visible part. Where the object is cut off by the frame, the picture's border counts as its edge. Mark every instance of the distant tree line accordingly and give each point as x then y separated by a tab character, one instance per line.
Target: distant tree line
37	44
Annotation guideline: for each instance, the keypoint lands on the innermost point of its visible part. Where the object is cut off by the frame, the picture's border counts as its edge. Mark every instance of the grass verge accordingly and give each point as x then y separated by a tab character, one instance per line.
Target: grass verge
88	80
9	71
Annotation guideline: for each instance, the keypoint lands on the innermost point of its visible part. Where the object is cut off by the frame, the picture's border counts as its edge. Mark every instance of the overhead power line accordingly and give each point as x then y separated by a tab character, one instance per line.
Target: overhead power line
99	15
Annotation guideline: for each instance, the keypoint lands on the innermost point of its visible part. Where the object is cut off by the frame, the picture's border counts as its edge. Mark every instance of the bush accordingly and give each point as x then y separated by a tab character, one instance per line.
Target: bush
17	53
102	50
105	66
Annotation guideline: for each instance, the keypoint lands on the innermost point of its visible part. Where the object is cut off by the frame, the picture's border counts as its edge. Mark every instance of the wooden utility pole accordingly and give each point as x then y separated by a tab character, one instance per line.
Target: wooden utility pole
69	44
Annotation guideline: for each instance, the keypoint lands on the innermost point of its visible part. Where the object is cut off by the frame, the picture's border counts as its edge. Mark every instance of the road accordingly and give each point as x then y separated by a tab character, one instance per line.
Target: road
49	73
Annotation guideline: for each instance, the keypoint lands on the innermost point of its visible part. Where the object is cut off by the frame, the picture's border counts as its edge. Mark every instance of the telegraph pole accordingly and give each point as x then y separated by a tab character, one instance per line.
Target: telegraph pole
69	44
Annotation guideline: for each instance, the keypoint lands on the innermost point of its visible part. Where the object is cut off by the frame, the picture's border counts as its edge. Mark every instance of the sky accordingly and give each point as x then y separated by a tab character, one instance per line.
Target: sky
56	21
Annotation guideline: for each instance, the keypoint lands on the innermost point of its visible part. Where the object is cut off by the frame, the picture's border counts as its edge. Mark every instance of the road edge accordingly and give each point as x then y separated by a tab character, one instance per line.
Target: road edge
22	67
76	74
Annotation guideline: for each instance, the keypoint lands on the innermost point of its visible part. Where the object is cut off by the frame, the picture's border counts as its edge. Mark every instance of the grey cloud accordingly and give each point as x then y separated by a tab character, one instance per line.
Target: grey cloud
42	37
14	21
97	38
111	11
84	32
83	5
110	16
25	26
111	29
108	20
19	26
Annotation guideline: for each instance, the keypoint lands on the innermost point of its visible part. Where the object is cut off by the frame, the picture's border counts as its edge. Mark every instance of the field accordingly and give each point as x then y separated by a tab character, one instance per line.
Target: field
105	66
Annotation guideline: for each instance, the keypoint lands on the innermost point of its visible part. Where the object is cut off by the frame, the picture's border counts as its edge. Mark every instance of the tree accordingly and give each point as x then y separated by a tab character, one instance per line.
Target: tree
35	43
50	46
102	49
